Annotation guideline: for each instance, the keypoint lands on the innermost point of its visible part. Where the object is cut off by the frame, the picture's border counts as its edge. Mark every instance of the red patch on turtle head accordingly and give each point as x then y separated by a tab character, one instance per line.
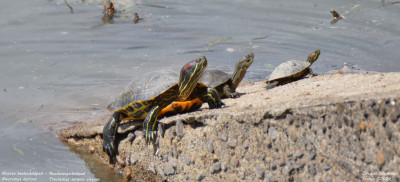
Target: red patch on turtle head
188	65
312	55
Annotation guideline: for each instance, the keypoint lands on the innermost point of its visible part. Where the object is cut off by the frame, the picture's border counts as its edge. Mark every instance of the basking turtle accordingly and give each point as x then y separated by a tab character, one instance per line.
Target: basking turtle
225	84
147	84
291	71
148	110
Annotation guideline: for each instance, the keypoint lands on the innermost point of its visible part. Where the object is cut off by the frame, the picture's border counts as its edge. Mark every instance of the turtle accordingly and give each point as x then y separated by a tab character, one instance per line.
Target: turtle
187	89
226	85
154	82
291	71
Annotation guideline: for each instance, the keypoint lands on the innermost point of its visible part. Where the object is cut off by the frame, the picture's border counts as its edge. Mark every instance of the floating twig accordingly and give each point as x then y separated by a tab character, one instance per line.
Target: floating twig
70	7
137	18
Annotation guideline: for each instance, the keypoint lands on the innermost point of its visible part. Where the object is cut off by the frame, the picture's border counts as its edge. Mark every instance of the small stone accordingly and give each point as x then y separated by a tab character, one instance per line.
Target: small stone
215	158
173	162
311	155
210	147
223	167
288	169
232	152
268	142
127	173
186	160
290	118
139	133
120	161
200	177
326	167
269	177
232	142
299	154
170	167
312	170
272	166
363	126
340	108
161	173
380	159
134	158
282	161
223	137
246	144
151	168
272	134
130	137
298	165
179	128
91	149
259	172
216	168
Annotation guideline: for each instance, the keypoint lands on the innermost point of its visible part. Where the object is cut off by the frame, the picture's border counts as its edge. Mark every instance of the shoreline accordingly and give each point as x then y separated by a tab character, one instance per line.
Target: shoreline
301	131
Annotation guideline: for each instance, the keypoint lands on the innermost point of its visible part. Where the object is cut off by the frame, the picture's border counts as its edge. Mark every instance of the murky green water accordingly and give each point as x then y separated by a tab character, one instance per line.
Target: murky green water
58	67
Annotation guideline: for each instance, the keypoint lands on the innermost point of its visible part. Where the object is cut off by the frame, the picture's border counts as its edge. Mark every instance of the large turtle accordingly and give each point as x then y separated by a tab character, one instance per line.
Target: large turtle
291	71
148	110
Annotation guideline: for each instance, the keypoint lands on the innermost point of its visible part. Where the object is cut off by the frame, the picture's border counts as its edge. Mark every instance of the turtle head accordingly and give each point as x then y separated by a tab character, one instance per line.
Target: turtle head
313	56
190	75
241	68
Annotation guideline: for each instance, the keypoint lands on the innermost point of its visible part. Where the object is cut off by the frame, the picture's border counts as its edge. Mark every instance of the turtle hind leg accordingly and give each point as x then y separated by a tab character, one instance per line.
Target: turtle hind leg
150	123
109	132
272	85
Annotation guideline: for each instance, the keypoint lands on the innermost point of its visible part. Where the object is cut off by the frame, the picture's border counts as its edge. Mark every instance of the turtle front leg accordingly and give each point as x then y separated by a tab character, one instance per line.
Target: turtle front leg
109	131
212	98
150	123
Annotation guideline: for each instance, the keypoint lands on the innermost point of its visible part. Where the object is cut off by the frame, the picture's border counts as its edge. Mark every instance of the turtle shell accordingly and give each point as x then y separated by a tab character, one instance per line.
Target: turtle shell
213	78
292	68
144	87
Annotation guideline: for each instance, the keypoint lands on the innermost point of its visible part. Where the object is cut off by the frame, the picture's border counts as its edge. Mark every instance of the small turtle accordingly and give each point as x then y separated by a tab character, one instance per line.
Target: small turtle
187	89
291	71
225	84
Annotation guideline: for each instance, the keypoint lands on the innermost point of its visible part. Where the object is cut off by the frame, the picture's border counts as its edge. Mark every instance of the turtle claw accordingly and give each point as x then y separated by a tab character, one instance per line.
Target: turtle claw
150	135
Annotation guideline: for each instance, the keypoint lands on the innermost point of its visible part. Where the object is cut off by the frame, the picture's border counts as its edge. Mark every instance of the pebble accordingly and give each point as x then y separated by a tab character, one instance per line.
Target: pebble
380	159
363	126
269	177
298	165
215	158
139	133
134	158
299	154
288	169
223	167
311	155
326	167
272	134
151	168
200	177
246	144
186	160
210	147
179	128
272	166
282	161
161	173
259	172
223	137
232	141
268	142
91	149
312	170
130	137
127	174
215	168
120	161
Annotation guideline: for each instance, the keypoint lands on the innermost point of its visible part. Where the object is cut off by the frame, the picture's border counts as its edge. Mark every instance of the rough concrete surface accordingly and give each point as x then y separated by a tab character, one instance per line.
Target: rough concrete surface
328	127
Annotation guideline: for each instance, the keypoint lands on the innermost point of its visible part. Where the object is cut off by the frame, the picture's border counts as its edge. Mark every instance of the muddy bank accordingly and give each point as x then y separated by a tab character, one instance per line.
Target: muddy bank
328	127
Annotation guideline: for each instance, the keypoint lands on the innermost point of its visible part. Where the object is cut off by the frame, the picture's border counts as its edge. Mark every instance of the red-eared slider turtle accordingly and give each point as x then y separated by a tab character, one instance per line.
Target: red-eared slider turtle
291	71
227	84
155	82
148	110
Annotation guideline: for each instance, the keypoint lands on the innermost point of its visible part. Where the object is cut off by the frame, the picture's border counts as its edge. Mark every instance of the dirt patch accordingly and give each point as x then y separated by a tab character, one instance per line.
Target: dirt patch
328	127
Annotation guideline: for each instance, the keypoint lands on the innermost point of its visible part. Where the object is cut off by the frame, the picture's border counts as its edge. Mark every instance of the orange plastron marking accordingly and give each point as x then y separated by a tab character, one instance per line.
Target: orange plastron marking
179	107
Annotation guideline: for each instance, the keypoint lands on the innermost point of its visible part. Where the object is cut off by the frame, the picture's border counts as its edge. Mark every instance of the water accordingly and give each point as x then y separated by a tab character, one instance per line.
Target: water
58	67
